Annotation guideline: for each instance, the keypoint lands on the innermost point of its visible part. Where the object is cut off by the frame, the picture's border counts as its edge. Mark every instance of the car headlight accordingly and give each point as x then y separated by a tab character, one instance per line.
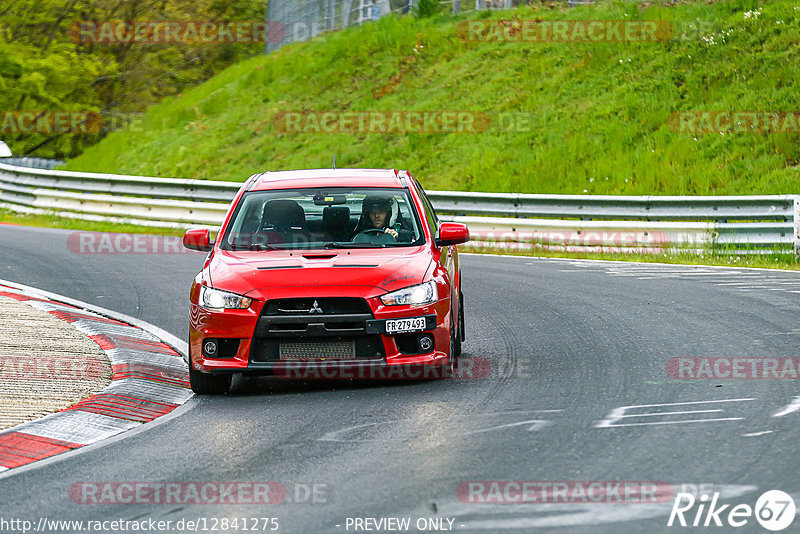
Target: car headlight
414	295
214	299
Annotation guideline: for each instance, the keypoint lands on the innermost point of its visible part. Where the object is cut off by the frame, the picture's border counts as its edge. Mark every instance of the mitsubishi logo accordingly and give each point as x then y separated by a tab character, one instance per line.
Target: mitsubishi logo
315	308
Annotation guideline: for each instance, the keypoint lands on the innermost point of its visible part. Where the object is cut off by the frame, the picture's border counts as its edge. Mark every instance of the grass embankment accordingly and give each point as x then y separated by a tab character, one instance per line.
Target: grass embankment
598	111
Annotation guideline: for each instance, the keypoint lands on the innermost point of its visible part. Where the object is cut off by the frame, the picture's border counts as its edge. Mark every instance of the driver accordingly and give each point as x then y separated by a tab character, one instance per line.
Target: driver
376	212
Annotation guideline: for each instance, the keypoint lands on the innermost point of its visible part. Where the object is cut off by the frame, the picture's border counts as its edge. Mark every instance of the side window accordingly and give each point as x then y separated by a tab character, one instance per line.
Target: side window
430	213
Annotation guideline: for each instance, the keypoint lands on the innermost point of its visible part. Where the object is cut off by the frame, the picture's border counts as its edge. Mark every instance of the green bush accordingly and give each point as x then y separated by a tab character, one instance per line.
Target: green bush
426	8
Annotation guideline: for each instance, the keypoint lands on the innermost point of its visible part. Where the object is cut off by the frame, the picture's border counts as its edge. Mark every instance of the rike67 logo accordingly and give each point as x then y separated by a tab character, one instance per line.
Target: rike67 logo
774	510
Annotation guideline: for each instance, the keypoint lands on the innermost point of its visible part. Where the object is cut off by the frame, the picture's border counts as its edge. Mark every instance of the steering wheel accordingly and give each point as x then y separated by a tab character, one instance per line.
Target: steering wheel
379	238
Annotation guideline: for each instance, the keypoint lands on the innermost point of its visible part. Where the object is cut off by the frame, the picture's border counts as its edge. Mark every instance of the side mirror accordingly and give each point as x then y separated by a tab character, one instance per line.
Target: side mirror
5	152
452	234
198	239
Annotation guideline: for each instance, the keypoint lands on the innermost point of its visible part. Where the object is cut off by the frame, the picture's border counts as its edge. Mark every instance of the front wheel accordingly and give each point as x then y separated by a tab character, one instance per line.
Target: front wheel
449	369
459	335
208	384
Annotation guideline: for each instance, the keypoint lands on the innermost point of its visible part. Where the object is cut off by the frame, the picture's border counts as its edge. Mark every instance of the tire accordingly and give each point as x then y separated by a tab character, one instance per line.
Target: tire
208	383
460	330
449	369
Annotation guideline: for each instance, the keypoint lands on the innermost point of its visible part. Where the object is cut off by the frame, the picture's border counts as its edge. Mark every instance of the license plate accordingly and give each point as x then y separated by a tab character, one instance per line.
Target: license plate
412	324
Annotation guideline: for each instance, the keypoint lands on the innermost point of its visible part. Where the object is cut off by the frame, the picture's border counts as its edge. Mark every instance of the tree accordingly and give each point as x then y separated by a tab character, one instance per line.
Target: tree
43	66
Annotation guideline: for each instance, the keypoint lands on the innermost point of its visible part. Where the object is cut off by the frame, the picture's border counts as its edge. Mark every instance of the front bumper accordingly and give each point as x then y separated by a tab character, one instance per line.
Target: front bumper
257	336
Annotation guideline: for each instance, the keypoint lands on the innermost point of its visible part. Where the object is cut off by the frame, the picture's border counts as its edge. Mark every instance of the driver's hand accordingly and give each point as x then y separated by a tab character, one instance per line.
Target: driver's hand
392	232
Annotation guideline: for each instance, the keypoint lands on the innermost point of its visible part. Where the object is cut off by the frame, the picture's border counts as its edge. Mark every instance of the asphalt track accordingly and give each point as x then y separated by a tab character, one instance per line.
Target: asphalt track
568	343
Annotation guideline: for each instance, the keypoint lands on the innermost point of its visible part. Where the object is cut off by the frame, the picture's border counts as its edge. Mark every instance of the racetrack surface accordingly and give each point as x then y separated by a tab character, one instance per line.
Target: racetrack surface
568	342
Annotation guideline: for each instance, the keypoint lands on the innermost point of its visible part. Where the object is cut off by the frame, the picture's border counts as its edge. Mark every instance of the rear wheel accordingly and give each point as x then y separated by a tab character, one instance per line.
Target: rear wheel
208	384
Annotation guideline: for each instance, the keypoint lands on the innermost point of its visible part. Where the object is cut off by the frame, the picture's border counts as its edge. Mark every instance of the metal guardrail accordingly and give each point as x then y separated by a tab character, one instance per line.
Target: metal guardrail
644	208
118	184
582	221
33	162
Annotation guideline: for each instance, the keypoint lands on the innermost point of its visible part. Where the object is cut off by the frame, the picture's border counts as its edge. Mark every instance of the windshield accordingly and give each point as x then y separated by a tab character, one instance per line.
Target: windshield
337	217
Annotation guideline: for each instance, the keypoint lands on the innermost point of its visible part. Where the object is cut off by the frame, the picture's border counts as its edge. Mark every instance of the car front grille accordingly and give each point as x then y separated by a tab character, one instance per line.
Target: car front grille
315	329
317	349
324	306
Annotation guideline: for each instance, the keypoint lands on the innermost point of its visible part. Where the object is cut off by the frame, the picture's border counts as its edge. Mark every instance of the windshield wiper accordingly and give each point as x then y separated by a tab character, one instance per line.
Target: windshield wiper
334	244
253	246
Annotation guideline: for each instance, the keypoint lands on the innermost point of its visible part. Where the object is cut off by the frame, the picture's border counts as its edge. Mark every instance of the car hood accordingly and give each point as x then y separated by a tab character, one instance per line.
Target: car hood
260	273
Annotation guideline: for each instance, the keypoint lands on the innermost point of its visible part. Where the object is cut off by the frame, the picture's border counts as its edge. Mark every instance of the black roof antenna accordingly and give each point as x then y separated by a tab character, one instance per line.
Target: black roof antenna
334	162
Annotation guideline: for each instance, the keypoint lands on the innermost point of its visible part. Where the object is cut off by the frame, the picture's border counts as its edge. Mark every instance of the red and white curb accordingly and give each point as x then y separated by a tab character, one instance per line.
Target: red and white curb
150	379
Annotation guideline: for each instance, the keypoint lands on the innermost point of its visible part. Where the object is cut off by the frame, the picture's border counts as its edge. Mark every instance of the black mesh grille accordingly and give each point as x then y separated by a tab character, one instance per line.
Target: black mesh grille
270	350
320	348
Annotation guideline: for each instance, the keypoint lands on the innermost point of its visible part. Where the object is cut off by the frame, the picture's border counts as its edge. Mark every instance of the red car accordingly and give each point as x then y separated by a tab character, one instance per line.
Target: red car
329	273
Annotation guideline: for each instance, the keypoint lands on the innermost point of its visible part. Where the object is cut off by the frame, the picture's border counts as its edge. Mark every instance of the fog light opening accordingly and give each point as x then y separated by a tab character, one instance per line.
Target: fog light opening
210	348
425	343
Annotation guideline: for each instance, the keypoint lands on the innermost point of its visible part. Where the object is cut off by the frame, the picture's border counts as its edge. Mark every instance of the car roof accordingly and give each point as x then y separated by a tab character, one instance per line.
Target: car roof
328	178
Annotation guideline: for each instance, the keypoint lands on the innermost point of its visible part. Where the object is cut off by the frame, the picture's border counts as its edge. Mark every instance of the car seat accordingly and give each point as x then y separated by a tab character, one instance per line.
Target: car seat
284	221
336	221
